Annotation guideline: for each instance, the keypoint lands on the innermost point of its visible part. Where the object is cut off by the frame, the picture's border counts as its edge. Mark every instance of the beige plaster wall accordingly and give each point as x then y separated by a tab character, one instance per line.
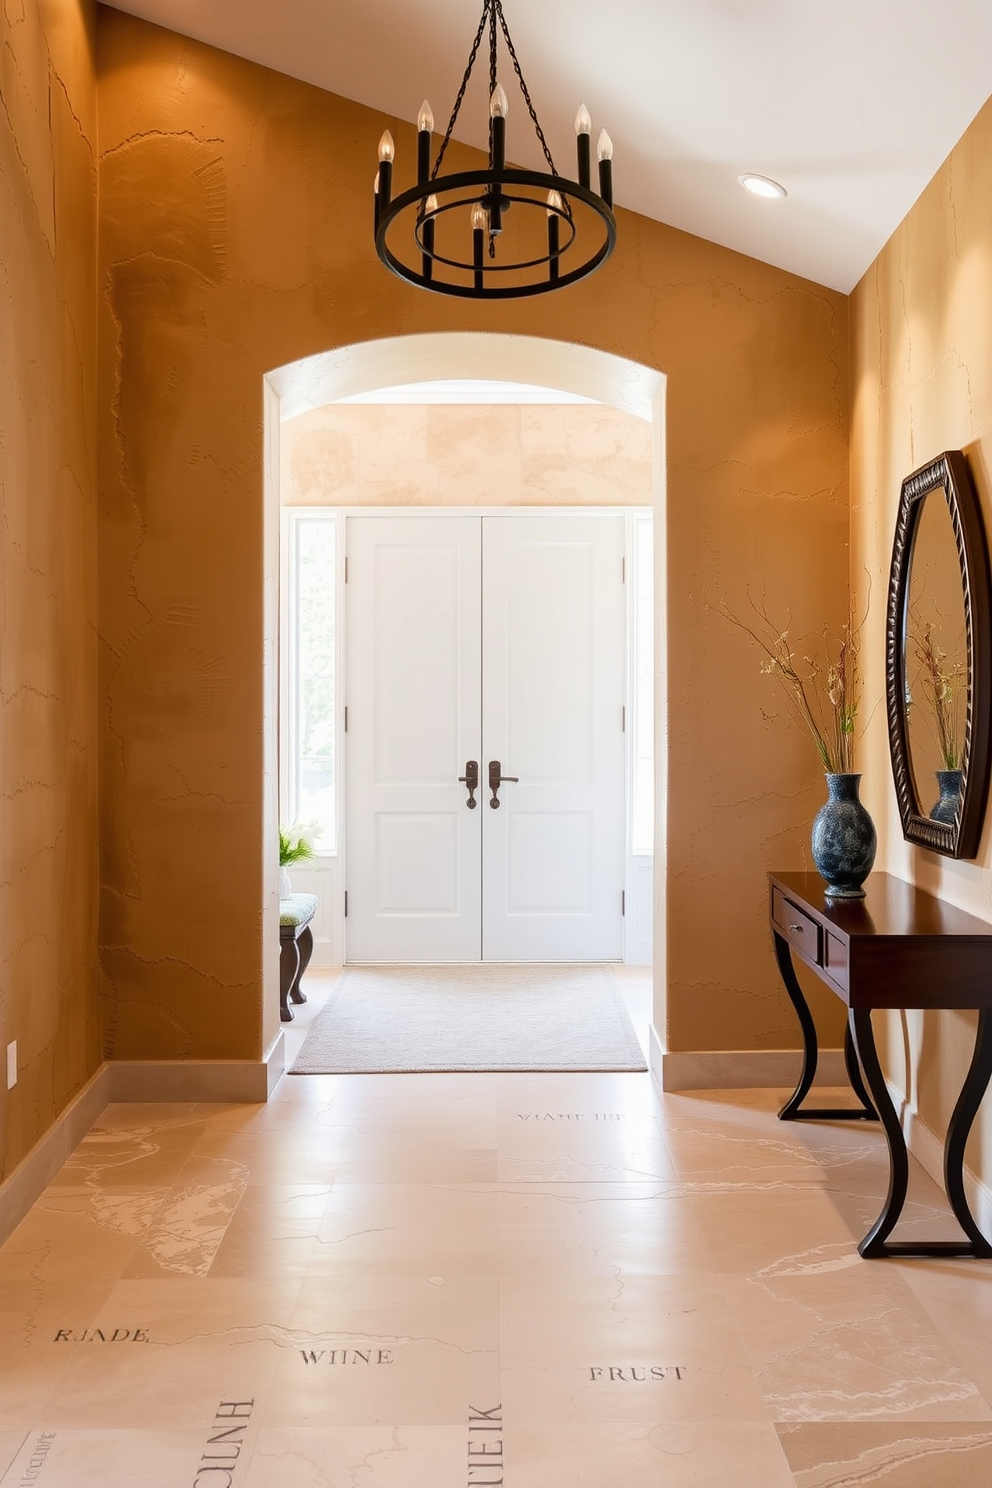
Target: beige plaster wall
236	237
48	749
922	383
542	454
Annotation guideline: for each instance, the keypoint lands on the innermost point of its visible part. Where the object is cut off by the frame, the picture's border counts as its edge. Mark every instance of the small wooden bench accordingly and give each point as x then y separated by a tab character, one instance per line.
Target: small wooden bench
295	948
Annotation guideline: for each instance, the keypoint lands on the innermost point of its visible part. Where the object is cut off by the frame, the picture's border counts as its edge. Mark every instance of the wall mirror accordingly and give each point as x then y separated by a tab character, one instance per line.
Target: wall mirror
938	656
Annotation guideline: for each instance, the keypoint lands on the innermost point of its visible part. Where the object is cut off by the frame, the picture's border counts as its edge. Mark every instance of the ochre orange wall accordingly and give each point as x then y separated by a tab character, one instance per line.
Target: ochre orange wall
48	745
235	207
921	384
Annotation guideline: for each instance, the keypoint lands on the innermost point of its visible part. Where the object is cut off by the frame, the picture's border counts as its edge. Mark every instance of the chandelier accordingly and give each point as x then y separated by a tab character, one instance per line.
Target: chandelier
497	233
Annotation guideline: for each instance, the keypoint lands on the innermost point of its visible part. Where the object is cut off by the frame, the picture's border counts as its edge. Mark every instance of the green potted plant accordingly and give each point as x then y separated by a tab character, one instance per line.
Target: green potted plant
297	844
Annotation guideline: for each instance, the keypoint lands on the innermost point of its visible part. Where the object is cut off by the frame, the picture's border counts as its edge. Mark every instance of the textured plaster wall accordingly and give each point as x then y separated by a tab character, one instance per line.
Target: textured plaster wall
466	455
236	238
48	748
922	383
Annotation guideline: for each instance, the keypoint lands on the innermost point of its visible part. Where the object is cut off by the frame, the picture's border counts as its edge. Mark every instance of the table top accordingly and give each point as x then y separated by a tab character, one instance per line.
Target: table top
891	907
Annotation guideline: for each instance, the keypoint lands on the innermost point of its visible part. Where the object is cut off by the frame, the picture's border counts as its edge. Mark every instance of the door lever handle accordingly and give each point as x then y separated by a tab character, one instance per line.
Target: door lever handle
496	780
471	779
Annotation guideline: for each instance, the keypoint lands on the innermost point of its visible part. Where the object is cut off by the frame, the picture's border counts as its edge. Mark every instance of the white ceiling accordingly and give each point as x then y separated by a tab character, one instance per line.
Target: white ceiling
850	104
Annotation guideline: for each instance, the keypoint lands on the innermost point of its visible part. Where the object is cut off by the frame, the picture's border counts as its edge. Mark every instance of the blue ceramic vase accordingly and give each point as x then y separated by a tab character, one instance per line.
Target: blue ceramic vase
949	783
843	839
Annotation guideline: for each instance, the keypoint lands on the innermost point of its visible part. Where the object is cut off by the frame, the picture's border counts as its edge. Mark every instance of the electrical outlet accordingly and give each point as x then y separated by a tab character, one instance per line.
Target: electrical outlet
12	1065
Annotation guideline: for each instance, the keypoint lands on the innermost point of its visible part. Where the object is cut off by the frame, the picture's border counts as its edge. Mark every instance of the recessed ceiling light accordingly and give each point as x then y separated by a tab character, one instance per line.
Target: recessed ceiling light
762	186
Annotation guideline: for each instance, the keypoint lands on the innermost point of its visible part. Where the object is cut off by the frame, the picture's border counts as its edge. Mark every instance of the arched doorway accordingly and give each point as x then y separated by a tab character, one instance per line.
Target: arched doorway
363	367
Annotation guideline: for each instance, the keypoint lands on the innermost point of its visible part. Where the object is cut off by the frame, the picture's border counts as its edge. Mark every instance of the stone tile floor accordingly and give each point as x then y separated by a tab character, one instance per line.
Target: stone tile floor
537	1281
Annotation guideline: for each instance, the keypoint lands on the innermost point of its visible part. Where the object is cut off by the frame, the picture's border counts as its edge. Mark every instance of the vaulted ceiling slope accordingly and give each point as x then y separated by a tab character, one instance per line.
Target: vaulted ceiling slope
850	104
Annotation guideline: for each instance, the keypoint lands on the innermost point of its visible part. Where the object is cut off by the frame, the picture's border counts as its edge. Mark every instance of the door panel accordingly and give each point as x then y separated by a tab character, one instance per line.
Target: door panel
413	681
553	696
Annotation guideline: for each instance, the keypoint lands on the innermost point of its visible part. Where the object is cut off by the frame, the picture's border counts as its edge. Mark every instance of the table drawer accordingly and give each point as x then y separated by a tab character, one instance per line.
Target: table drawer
802	932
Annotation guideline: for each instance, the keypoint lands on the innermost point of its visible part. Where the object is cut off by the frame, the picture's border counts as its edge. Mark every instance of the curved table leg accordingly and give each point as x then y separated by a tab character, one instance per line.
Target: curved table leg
876	1242
975	1085
854	1071
859	1021
305	944
289	966
791	1110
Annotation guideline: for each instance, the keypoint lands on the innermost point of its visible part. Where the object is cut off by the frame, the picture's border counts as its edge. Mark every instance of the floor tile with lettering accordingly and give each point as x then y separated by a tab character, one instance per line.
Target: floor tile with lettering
485	1281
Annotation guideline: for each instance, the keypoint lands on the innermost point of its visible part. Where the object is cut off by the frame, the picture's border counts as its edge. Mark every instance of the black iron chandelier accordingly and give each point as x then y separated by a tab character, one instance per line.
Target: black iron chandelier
449	232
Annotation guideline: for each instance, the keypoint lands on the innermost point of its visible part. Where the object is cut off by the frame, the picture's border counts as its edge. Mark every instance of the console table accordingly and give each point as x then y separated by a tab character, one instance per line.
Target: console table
897	948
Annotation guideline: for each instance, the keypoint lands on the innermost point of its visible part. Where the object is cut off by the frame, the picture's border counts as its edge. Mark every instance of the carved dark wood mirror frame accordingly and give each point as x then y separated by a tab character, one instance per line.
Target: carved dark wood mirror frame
950	474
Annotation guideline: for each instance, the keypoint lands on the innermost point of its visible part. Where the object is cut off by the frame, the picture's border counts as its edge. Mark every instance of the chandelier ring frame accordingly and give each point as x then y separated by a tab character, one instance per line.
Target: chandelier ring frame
486	180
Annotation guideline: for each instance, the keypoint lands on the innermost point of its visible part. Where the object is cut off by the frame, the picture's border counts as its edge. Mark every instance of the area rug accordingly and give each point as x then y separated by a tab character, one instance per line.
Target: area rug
396	1019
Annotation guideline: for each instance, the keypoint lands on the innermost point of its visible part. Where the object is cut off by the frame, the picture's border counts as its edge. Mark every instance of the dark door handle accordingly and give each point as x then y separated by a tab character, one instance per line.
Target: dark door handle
496	780
471	779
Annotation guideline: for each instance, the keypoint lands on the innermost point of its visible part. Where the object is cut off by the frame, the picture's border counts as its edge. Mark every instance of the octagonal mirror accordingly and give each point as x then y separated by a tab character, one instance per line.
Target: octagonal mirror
938	653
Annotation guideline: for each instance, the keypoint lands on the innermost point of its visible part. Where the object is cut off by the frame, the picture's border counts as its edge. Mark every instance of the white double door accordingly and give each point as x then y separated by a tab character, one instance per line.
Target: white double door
498	640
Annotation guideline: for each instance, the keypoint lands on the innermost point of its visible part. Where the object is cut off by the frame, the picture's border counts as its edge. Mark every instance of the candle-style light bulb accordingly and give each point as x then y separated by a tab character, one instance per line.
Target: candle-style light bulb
387	150
554	207
425	124
583	147
479	219
430	206
425	119
499	104
604	149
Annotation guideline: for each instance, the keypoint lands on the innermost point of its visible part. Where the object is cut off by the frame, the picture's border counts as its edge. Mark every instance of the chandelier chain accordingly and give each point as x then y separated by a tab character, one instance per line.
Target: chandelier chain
498	9
461	91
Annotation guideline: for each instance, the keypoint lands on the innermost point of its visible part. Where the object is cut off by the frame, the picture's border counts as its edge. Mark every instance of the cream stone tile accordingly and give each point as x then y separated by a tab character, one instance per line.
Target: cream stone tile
571	1148
597	1228
273	1232
423	1152
447	1229
39	1319
275	1154
957	1299
856	1454
132	1149
455	1099
708	1152
119	1458
194	1342
690	1454
374	1456
607	1096
833	1337
388	1350
747	1227
622	1349
10	1444
193	1220
72	1234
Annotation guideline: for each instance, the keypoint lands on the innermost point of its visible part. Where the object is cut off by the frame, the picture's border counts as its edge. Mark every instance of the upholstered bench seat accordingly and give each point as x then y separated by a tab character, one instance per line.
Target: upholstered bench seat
295	948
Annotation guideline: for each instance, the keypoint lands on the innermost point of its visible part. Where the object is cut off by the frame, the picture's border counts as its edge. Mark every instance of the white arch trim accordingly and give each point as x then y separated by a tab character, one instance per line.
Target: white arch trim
393	361
367	365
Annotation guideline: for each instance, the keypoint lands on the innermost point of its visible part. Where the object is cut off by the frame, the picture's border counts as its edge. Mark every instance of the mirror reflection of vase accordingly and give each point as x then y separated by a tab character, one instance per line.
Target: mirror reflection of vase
285	885
949	784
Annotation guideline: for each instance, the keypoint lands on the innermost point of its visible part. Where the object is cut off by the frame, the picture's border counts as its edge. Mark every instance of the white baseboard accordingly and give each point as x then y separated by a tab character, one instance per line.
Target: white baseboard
740	1069
33	1174
198	1079
248	1081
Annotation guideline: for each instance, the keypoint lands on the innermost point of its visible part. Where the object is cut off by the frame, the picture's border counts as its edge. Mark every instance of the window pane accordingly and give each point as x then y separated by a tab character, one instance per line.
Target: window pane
312	767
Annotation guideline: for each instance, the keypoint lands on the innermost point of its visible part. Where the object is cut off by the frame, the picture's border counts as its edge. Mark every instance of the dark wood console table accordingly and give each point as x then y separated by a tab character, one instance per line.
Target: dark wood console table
896	948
